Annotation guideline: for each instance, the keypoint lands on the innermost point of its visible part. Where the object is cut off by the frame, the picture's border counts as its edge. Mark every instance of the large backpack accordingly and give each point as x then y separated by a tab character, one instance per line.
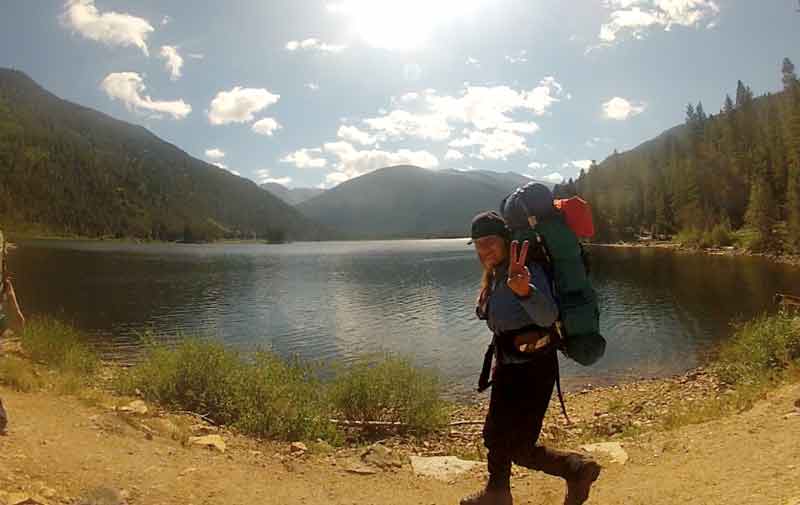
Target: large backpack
579	312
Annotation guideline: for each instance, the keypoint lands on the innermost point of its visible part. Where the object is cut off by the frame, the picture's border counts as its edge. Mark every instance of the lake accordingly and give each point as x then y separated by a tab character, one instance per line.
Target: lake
663	312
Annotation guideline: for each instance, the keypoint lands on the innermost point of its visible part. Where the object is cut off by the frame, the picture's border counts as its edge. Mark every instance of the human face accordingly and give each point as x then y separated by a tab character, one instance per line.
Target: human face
491	251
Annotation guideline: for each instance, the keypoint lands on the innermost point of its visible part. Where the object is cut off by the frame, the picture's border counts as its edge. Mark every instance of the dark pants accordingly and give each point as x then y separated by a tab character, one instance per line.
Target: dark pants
519	400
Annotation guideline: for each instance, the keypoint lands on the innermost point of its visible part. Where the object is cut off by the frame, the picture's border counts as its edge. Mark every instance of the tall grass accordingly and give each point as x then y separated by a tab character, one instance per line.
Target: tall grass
761	350
265	396
269	397
59	345
389	389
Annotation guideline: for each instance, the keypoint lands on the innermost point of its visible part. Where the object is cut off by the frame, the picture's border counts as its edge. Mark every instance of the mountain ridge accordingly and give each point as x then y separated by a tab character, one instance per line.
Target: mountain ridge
69	169
406	201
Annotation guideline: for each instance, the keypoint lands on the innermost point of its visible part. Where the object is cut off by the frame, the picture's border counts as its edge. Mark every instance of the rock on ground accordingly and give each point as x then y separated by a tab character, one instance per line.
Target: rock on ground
210	441
613	450
442	467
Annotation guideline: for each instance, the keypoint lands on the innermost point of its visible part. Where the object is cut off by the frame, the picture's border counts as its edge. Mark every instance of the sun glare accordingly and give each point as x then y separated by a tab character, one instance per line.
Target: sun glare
401	24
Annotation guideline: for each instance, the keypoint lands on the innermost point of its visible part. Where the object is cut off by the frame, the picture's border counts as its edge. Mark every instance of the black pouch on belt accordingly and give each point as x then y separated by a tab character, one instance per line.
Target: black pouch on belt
486	369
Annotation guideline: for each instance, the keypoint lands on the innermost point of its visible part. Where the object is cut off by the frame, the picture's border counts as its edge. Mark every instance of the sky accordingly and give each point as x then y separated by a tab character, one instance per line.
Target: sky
311	93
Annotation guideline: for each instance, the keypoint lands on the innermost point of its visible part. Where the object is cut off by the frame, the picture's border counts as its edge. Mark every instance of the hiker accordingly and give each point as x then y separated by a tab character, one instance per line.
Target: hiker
11	321
11	318
516	302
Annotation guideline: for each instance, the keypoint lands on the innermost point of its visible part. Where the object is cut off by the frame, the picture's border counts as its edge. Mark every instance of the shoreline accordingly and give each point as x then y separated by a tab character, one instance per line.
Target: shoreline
731	251
66	437
596	411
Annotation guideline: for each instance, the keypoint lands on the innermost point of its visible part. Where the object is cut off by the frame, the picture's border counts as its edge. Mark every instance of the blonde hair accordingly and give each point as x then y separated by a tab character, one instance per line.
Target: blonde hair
487	279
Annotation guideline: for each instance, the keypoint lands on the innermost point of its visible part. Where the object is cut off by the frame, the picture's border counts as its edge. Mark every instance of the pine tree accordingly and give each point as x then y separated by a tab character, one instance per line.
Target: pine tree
700	114
791	123
789	76
760	207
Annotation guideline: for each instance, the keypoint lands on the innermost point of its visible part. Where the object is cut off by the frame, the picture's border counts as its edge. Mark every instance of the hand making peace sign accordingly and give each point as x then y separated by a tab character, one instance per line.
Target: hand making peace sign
519	277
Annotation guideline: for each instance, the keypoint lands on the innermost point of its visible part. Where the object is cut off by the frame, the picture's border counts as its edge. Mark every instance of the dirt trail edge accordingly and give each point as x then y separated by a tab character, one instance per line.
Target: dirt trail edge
58	448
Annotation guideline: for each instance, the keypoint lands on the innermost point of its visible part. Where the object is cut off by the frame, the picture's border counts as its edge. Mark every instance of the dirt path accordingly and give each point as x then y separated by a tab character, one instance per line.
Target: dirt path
60	447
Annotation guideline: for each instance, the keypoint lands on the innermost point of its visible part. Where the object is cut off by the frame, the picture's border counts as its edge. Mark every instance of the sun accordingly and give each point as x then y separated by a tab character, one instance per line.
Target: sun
401	24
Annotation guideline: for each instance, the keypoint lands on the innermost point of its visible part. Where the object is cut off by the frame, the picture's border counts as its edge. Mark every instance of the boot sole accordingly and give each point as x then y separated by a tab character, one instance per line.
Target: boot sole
590	474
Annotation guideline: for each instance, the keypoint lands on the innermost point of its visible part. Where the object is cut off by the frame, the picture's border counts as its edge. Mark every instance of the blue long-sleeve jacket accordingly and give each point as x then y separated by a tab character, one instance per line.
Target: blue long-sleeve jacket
507	312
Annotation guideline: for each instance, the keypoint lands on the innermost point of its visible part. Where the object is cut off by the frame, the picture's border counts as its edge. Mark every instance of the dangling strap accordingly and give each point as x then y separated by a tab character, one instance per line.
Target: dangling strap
560	395
486	370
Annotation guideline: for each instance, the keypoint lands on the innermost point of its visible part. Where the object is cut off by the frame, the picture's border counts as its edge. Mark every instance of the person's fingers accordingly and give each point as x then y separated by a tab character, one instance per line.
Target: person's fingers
524	254
514	246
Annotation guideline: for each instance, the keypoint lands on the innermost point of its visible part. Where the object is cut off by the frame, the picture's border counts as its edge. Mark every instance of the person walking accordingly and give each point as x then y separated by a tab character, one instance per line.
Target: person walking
11	318
517	304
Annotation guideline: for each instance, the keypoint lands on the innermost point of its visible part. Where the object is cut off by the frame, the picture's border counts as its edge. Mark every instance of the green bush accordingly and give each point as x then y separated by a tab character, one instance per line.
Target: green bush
748	238
721	235
761	349
18	374
264	397
390	390
690	237
283	400
59	345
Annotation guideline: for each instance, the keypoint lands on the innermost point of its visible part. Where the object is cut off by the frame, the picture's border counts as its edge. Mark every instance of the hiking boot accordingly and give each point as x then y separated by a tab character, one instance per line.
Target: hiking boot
3	419
489	496
579	484
578	470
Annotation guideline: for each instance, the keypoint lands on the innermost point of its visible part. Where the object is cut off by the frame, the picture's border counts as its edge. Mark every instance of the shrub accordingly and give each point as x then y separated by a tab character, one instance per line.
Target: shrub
264	397
761	349
721	235
689	237
18	374
59	345
391	389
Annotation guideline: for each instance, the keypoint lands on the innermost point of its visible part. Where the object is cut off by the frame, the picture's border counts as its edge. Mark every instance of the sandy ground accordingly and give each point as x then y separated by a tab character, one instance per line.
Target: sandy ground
60	447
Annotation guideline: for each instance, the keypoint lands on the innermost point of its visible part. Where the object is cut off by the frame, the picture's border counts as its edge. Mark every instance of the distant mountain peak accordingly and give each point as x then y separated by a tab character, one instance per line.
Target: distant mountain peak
410	201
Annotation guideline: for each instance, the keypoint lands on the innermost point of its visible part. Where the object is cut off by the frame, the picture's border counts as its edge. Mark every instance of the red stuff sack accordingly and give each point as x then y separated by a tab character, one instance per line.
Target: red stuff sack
578	215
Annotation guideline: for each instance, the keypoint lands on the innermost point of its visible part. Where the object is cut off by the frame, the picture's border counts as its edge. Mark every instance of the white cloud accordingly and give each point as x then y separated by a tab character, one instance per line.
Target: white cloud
431	116
215	154
399	124
452	154
172	60
521	57
165	20
306	158
263	176
409	97
266	126
536	165
312	86
621	109
351	162
110	28
581	164
353	134
314	45
596	141
473	61
493	145
128	88
196	56
555	178
239	104
633	17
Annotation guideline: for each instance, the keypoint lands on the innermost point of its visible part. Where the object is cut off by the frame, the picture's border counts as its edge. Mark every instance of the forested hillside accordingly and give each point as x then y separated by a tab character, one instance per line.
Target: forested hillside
717	178
70	170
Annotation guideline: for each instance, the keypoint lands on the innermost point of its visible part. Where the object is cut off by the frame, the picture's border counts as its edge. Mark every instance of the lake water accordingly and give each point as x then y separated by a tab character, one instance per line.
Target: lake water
662	312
